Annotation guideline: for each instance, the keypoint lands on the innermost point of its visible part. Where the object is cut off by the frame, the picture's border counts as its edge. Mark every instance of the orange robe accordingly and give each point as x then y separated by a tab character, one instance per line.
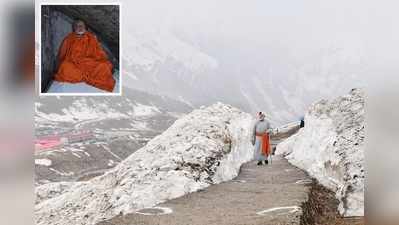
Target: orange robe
82	59
265	147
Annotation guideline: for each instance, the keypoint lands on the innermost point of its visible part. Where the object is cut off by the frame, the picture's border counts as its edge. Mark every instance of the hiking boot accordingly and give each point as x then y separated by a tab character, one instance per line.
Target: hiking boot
259	163
266	162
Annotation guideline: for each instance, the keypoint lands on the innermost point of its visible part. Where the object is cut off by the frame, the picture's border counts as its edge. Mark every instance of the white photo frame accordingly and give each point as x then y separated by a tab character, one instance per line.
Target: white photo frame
38	30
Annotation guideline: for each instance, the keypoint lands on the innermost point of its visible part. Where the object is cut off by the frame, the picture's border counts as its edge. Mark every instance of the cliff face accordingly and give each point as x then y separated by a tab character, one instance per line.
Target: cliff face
205	147
56	23
331	148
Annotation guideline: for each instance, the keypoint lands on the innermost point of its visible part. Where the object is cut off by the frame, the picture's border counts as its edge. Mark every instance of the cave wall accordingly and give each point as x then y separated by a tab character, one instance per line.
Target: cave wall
56	23
102	19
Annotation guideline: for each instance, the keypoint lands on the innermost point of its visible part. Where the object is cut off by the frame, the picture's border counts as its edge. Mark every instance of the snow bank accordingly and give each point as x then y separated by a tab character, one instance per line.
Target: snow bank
51	190
331	148
289	126
202	148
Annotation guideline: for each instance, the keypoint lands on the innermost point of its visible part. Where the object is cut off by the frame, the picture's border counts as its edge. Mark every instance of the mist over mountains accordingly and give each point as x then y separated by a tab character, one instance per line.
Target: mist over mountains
252	59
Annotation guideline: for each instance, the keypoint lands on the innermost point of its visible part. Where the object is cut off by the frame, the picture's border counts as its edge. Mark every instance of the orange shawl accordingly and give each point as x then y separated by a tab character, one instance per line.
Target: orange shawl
82	59
265	143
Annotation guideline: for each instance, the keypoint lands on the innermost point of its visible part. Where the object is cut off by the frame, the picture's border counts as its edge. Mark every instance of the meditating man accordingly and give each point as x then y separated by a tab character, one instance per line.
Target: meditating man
261	139
82	59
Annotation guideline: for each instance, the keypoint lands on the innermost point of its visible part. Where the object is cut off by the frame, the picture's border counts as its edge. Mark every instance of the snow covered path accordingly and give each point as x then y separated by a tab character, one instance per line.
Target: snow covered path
259	195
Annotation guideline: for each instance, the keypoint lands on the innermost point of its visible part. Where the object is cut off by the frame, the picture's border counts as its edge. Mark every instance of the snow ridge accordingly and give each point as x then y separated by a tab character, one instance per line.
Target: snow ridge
202	148
331	148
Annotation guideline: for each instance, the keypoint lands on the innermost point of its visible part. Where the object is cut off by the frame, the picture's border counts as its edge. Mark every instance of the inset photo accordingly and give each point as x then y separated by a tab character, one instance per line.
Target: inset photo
80	49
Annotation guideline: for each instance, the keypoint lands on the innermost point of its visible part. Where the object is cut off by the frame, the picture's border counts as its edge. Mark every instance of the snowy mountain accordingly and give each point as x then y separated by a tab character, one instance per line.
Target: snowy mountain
101	131
331	148
153	47
159	61
202	148
200	71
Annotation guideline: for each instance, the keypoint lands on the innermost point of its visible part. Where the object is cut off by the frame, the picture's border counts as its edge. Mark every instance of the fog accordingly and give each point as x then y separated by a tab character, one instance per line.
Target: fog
291	53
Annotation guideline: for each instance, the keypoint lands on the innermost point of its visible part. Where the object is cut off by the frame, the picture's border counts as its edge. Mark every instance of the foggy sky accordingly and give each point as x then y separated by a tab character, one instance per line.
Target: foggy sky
290	30
300	26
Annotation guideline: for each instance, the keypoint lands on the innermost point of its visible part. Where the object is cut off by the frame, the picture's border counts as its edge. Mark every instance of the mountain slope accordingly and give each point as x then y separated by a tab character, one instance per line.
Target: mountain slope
101	131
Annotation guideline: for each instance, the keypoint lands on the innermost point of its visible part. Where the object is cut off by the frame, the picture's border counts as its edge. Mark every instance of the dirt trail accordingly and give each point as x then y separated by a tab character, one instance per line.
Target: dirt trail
245	200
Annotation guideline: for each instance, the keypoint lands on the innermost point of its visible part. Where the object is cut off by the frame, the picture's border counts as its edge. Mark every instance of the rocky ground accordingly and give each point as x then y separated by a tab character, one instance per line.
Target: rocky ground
321	209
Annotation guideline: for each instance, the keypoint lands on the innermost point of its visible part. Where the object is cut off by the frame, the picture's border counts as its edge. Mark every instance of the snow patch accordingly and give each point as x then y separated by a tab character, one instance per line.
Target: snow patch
307	181
158	211
80	110
145	110
43	162
280	210
111	162
53	189
61	173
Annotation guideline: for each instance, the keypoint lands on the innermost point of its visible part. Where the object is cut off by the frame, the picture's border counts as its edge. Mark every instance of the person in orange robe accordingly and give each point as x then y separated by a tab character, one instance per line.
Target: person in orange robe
261	139
82	59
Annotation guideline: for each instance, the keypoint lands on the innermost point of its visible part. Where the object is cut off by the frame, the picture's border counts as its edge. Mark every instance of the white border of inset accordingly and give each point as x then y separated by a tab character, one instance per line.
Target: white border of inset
38	30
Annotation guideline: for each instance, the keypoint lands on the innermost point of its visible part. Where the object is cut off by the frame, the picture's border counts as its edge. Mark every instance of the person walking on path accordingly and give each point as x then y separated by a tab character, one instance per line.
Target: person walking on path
261	139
